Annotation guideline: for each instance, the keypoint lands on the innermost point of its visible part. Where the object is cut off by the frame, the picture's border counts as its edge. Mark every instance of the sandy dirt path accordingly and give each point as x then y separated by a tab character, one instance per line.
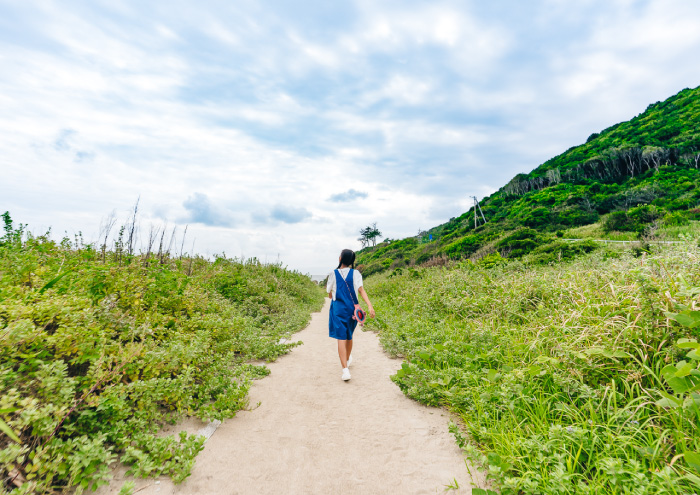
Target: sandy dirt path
315	434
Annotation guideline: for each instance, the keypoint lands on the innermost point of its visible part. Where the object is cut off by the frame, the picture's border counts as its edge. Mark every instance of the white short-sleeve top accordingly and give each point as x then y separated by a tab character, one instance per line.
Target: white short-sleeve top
356	281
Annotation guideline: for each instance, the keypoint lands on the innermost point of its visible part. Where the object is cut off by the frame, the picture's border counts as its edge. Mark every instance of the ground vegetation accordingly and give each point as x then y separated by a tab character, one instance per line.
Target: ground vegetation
101	347
578	375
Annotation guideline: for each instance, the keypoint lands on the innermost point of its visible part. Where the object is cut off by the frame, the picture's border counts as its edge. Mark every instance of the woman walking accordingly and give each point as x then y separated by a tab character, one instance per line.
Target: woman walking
343	286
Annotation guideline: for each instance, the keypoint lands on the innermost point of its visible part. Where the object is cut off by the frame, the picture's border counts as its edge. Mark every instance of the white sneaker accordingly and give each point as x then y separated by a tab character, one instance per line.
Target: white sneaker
349	361
346	374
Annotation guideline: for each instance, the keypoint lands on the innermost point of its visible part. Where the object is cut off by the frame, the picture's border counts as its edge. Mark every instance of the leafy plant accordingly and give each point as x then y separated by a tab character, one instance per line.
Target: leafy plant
99	352
577	377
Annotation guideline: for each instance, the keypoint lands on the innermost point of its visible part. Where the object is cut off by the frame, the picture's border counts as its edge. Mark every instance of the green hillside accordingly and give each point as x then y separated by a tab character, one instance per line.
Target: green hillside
634	179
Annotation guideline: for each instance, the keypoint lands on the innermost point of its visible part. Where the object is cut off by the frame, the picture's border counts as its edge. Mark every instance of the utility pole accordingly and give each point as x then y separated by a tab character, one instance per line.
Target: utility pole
476	205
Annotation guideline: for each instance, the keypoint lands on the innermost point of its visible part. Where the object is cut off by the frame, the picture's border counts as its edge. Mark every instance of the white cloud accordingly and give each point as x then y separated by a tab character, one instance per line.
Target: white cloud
243	119
403	89
471	44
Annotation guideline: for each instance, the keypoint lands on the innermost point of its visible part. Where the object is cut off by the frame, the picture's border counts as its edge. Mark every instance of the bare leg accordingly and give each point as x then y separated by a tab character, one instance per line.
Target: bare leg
348	348
343	352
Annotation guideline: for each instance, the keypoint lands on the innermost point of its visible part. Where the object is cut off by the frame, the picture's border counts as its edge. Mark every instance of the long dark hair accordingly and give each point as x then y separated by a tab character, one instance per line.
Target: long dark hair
347	258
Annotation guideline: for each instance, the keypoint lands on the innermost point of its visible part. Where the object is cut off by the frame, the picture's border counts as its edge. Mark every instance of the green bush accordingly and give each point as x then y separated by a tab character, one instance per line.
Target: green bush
644	214
520	242
463	247
619	221
370	268
566	379
95	357
633	220
573	217
561	251
675	219
492	260
537	217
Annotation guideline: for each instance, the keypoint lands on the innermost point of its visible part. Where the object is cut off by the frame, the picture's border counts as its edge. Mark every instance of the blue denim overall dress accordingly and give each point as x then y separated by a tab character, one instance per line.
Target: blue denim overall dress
340	322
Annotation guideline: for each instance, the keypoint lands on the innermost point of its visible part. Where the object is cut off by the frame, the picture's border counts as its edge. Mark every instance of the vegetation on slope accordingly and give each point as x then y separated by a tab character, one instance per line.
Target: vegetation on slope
579	377
96	356
632	177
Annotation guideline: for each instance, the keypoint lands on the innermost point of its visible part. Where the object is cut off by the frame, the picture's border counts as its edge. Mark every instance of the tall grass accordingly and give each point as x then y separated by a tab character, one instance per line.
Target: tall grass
567	378
99	349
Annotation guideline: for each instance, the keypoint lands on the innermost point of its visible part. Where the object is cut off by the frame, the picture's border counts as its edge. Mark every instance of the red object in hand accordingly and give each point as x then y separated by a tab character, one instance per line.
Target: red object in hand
359	315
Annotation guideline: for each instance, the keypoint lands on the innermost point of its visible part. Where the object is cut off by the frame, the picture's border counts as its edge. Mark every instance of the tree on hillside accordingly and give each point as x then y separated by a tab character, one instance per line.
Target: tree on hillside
369	235
654	156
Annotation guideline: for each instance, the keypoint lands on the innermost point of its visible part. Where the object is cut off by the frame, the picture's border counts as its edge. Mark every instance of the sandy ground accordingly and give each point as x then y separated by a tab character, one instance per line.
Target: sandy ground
315	434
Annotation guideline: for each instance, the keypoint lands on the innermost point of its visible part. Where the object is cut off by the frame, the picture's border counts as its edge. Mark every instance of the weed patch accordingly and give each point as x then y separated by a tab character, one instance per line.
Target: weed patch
98	351
578	377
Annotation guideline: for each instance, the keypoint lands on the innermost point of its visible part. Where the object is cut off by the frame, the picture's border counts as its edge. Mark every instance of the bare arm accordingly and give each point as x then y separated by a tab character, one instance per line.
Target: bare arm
364	295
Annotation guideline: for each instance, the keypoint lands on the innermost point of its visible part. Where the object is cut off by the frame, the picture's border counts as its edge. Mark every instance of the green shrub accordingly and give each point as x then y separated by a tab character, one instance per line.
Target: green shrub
633	220
537	217
561	251
370	268
520	242
572	378
619	221
97	356
575	216
463	247
644	214
675	219
492	260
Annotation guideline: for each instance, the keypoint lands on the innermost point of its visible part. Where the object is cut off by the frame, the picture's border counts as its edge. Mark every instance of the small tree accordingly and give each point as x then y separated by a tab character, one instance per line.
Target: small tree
12	235
369	234
374	234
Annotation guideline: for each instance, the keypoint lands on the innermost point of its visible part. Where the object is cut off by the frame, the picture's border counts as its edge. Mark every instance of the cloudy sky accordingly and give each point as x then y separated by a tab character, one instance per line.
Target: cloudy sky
278	129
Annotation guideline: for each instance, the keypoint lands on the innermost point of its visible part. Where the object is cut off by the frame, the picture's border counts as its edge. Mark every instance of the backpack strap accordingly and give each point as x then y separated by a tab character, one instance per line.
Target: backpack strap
358	314
352	291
